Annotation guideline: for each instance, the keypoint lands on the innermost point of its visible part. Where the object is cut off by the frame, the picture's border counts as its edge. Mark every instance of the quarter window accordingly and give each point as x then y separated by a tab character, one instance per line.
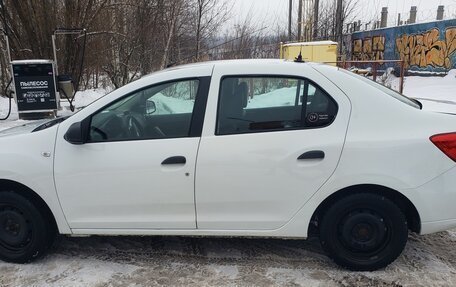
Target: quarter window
162	111
259	104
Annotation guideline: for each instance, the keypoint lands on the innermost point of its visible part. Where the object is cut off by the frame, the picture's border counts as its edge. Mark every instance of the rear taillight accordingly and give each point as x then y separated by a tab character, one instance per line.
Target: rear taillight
446	143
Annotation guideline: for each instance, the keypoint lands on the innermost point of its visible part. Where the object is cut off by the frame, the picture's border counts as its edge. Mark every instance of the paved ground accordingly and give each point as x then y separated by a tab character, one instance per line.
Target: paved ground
180	261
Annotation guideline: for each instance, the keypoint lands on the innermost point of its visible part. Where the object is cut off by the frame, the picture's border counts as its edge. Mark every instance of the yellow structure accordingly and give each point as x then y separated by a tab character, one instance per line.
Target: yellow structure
321	51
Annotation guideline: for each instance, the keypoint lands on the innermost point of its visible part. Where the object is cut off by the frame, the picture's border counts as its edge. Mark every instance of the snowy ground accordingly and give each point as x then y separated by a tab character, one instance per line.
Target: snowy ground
81	99
428	260
181	261
436	93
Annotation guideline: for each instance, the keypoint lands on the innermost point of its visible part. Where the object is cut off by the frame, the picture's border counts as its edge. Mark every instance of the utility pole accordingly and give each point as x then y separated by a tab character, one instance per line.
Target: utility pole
315	19
339	24
300	20
290	14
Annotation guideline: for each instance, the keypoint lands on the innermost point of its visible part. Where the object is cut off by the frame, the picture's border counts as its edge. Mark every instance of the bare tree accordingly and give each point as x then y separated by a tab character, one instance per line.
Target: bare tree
174	13
210	15
129	38
326	26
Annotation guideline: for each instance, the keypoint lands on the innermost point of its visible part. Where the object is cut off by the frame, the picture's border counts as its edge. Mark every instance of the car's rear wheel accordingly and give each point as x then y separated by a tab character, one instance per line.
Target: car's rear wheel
25	233
363	232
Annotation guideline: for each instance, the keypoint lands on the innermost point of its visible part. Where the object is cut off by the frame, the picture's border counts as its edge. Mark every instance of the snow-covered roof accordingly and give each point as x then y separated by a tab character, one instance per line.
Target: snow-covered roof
316	43
32	61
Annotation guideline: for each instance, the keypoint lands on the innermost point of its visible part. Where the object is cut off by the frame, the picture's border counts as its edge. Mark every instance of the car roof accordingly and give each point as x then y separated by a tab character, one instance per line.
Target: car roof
237	62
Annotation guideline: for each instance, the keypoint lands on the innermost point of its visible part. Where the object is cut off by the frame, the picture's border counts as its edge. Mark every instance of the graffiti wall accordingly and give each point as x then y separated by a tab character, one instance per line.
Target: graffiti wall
427	47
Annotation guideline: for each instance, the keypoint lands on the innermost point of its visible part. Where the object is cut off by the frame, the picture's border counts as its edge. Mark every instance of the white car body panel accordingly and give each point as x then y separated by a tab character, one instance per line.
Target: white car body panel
254	180
123	184
392	151
22	161
375	139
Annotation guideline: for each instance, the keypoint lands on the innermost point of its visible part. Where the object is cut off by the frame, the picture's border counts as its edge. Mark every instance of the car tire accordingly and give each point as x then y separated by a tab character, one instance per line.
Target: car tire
363	232
25	232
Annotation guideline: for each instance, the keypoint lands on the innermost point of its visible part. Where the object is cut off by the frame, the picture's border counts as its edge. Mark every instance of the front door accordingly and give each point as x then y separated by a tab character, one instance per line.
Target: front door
137	170
277	140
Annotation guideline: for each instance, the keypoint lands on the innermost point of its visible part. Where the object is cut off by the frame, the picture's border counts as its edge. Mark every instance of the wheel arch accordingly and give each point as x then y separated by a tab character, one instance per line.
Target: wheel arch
25	191
409	209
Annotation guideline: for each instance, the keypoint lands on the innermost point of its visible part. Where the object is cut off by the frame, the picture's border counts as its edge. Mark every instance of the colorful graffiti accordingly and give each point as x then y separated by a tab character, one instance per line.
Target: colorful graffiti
427	49
369	49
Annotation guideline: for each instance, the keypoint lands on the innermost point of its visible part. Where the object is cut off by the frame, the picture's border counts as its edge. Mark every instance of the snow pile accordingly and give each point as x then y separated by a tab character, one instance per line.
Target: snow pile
279	97
4	104
82	99
436	93
169	105
13	119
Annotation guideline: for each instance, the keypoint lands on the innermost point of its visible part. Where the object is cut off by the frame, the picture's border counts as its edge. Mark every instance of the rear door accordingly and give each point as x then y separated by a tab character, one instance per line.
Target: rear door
277	139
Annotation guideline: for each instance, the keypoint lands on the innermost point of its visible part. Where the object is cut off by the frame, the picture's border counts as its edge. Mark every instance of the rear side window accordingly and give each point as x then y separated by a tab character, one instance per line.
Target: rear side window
388	91
261	104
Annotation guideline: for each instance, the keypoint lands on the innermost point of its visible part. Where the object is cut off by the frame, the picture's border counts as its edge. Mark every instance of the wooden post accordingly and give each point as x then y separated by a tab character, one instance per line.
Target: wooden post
374	72
401	87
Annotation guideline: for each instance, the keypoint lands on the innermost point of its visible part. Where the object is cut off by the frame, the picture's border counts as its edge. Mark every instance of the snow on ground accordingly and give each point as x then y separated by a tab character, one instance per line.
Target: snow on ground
279	97
428	260
167	105
81	99
436	93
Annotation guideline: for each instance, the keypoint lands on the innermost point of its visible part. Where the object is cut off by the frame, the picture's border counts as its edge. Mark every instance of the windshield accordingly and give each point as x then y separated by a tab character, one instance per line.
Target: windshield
384	89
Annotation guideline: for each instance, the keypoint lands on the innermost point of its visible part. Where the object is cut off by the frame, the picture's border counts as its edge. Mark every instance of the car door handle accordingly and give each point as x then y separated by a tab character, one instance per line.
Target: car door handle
175	160
315	154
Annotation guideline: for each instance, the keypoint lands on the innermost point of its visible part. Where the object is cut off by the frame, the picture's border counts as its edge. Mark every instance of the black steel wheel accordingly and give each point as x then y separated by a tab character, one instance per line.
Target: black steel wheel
363	232
25	234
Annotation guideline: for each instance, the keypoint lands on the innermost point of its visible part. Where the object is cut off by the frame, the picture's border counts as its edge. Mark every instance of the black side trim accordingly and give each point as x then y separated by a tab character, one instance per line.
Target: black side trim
199	110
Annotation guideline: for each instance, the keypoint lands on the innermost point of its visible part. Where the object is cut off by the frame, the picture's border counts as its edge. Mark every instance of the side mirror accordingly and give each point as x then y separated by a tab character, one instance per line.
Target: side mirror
150	107
75	134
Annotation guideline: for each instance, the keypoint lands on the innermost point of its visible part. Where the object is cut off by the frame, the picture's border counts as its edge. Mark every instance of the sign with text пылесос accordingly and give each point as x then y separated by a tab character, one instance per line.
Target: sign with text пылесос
35	87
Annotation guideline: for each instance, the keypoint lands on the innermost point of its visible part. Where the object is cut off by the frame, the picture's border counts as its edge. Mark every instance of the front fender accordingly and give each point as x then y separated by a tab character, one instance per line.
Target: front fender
28	159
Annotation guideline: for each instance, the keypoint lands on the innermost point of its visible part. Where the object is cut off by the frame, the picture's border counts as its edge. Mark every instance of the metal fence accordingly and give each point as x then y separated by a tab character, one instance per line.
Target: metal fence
375	68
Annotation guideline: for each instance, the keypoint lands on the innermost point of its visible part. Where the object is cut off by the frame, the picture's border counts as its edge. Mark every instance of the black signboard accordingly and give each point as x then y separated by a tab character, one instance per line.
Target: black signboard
35	87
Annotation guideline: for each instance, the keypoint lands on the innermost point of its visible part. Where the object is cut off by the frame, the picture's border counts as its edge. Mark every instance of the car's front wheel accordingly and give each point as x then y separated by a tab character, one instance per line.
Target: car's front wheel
363	231
25	233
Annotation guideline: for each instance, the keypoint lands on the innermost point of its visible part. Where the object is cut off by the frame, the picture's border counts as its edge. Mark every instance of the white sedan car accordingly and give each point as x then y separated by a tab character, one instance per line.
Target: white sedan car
263	148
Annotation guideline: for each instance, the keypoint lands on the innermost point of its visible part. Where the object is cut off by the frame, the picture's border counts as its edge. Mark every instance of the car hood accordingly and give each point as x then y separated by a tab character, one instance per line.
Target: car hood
31	126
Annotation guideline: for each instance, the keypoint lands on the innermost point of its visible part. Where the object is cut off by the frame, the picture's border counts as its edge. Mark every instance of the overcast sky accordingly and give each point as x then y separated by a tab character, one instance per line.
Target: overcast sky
270	12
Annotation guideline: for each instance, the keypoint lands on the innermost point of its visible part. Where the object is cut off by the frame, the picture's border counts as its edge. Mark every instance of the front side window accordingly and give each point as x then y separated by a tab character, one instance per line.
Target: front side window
256	104
162	111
